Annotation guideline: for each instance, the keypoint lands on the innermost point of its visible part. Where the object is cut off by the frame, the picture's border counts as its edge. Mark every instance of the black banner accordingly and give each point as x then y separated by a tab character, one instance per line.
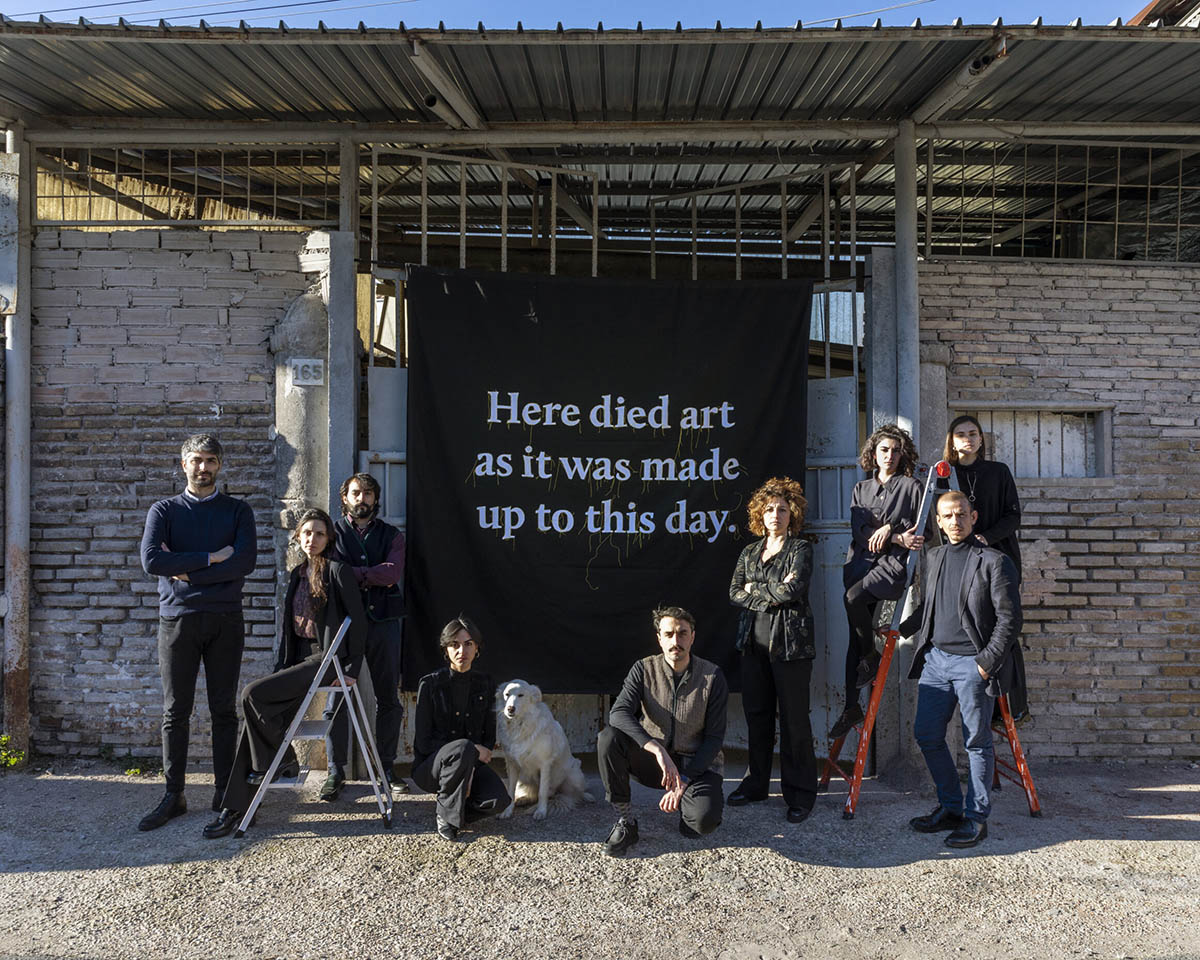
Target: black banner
581	451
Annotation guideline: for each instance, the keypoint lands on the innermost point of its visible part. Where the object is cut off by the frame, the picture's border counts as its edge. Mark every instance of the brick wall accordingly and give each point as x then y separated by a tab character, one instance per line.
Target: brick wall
140	338
1112	566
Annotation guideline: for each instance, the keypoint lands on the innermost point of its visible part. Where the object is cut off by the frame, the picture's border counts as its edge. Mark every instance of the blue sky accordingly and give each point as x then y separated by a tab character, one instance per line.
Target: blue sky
581	13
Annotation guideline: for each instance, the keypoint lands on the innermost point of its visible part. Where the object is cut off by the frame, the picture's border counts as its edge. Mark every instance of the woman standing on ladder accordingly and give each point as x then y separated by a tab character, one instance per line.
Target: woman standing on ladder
883	518
990	487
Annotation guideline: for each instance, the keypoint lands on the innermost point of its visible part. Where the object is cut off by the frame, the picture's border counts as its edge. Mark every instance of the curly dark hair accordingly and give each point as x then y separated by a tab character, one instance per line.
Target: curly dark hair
675	613
790	491
889	431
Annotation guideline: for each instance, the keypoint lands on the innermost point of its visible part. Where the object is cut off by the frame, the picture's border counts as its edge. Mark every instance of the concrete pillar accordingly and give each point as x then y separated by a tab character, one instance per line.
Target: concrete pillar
342	368
908	373
16	237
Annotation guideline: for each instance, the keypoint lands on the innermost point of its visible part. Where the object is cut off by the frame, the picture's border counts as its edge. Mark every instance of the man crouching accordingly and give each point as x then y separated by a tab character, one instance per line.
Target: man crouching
666	728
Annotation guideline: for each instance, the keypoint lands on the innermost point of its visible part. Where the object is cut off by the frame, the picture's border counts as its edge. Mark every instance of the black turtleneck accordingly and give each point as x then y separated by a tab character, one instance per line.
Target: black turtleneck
948	633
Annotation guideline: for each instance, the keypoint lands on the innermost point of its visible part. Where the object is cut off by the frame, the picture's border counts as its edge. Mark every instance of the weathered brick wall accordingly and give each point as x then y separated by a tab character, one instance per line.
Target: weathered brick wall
140	338
1112	566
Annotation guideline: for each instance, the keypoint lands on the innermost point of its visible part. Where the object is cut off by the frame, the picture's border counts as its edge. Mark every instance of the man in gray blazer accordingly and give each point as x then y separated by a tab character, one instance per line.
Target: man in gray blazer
970	618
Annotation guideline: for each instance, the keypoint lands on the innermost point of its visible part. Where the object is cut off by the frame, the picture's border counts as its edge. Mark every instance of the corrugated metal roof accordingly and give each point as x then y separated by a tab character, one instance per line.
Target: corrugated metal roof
226	74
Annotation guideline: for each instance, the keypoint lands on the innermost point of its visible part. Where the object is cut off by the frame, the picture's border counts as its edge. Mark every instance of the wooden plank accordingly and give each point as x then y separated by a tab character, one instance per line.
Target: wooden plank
1075	446
1050	430
1025	444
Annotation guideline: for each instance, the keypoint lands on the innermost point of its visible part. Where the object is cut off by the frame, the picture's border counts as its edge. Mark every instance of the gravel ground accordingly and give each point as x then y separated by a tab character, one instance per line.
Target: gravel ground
1111	870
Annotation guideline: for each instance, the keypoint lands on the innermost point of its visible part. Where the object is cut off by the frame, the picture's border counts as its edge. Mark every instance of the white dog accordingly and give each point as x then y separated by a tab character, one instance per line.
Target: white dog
536	753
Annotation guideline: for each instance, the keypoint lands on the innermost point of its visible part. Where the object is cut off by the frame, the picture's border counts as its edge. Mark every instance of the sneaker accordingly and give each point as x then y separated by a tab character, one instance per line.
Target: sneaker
623	836
331	789
851	717
399	786
447	831
170	806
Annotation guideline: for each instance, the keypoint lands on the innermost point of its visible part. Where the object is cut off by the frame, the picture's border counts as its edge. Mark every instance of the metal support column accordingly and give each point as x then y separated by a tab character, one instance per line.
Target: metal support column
17	325
908	355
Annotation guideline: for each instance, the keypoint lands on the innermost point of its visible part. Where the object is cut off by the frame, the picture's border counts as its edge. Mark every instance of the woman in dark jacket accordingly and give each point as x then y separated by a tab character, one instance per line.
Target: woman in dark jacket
320	595
883	518
455	733
775	637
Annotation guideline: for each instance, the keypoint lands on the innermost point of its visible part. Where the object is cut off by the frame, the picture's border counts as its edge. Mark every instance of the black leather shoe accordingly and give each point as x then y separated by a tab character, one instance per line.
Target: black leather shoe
967	834
867	668
936	821
331	789
447	831
742	796
170	806
851	717
288	770
623	835
226	822
798	814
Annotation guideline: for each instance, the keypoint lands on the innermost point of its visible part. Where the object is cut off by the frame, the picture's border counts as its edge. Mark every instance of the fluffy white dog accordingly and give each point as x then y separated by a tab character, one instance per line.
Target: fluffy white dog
537	756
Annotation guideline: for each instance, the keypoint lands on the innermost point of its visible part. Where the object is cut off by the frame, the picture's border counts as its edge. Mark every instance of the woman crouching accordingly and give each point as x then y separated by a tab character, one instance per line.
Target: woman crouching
455	733
321	594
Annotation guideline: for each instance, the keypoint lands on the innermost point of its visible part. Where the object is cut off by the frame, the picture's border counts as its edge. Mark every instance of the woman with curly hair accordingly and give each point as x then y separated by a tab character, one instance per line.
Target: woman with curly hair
883	528
775	637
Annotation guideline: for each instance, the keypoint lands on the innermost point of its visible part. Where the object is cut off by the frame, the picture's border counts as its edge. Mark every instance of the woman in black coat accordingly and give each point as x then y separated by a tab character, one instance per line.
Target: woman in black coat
320	595
455	733
775	637
883	520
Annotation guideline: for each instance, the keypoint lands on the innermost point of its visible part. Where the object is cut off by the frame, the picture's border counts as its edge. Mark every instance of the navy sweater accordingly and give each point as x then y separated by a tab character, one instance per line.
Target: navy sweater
191	530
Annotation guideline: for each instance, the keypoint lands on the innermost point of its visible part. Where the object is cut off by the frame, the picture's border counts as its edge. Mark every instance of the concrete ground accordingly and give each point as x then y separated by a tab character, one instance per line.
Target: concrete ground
1112	870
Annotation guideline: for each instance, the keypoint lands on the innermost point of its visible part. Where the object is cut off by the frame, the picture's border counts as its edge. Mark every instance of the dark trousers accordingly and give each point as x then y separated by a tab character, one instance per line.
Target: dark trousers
268	705
467	789
619	756
766	682
383	658
184	642
860	606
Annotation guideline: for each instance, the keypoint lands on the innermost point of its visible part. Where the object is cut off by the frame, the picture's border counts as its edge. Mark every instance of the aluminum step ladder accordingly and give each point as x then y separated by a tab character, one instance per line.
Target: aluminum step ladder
301	729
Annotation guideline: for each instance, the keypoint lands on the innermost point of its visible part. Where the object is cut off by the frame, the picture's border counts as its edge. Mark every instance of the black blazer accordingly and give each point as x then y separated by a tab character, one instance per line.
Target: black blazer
344	599
436	723
989	604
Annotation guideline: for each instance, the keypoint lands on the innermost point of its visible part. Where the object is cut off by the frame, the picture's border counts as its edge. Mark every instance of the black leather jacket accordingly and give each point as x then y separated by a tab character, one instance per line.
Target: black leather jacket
436	722
791	616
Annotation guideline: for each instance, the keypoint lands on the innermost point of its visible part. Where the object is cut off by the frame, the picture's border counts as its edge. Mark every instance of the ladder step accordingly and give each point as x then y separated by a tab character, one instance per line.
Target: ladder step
290	783
312	730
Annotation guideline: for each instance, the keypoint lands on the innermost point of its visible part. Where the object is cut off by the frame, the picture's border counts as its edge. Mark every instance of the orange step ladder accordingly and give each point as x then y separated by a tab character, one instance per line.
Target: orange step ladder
1017	771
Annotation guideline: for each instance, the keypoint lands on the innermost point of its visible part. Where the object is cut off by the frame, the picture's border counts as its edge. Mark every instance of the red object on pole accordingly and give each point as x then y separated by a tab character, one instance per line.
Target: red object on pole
942	469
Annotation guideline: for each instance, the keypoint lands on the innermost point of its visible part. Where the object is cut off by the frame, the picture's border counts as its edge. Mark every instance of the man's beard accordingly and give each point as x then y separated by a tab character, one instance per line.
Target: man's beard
361	511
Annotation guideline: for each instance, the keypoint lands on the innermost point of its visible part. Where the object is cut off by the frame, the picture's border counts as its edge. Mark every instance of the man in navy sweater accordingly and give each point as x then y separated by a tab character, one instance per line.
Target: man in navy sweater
201	545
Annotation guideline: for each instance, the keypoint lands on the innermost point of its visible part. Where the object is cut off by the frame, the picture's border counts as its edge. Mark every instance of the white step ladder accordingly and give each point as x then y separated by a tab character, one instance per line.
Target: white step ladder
301	729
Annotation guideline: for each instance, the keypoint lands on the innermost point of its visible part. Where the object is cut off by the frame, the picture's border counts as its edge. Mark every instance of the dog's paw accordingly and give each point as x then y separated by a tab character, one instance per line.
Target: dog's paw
539	813
508	812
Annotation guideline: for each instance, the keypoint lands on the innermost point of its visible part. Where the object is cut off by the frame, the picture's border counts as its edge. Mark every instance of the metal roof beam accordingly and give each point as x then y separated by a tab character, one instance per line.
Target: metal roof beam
941	98
449	91
513	135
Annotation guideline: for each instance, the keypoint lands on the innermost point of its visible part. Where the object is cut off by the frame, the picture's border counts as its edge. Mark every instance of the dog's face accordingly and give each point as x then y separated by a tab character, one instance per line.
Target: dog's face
516	696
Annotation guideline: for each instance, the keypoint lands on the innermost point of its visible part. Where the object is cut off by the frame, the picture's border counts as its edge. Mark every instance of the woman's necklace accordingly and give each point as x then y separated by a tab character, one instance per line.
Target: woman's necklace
972	479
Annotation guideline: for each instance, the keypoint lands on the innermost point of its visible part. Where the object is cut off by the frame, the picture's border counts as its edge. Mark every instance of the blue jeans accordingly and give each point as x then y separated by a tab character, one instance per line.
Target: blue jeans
947	680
